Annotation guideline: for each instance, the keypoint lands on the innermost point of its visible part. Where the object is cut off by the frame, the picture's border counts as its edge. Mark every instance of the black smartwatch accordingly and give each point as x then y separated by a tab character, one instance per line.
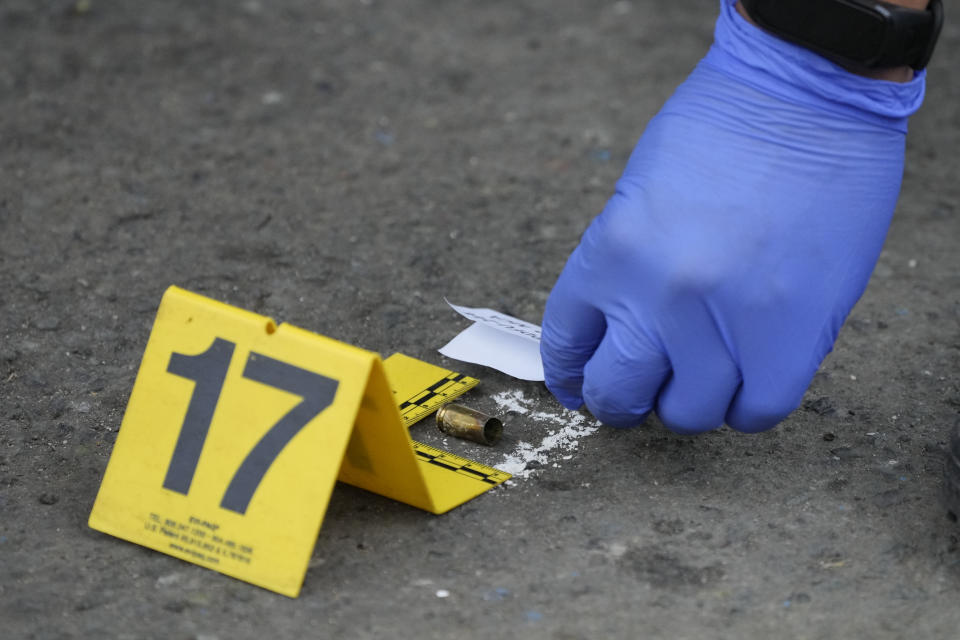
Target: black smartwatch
860	34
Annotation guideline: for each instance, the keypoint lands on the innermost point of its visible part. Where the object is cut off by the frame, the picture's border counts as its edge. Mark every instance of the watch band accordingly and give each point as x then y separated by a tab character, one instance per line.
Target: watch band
868	34
917	36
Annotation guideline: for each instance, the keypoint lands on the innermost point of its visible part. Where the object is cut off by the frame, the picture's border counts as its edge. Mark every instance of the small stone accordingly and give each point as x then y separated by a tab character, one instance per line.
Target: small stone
168	580
48	498
176	606
822	406
47	323
271	97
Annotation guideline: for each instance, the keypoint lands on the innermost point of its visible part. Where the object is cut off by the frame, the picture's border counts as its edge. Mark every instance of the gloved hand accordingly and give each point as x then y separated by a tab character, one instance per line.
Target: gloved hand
744	229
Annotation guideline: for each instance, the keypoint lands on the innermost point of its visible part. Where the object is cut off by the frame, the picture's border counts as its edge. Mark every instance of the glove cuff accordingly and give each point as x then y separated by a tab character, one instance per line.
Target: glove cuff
800	76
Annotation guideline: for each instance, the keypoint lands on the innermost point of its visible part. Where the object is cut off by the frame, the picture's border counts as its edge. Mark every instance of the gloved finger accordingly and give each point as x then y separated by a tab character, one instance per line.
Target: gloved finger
572	329
764	402
774	381
705	377
622	379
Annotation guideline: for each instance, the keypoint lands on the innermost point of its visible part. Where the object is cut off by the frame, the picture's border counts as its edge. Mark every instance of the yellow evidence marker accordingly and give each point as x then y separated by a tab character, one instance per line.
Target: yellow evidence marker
237	430
421	388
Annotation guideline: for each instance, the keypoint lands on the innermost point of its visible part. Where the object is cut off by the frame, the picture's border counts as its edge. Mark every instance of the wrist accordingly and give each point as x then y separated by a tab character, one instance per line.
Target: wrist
801	76
827	22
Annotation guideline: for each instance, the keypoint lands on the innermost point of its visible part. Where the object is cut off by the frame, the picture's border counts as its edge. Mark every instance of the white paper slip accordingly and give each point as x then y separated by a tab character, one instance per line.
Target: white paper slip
497	340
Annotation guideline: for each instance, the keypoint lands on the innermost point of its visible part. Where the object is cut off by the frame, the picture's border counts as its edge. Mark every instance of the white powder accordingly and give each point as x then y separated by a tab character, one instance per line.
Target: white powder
571	426
512	401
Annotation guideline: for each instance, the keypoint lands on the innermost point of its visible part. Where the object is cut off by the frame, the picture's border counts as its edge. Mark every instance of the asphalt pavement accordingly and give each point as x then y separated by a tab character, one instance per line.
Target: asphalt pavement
342	166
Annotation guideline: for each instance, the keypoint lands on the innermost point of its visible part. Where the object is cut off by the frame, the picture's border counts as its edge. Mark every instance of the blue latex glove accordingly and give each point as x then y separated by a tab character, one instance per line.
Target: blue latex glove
741	234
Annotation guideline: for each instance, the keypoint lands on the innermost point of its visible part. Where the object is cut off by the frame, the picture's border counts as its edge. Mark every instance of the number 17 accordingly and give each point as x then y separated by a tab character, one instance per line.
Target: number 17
209	371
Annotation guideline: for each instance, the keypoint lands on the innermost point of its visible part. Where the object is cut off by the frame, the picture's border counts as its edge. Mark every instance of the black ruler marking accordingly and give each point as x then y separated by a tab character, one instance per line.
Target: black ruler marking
422	397
427	400
455	463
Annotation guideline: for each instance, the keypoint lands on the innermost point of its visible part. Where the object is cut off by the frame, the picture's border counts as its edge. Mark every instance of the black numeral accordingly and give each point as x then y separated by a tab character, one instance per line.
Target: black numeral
317	392
209	370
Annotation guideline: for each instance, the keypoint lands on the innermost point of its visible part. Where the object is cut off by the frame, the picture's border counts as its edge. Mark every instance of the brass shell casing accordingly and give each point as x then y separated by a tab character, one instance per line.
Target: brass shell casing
469	424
